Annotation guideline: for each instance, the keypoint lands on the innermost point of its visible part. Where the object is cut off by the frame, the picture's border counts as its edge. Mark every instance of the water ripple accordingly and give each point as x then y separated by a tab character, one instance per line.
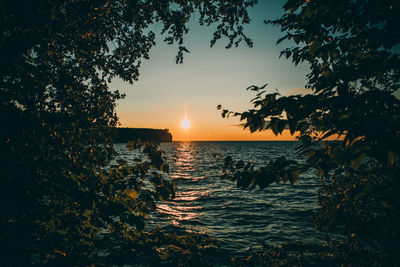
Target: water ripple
239	218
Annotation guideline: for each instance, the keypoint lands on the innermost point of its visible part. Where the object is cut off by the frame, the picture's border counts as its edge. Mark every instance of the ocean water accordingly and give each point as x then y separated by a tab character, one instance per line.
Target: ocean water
239	218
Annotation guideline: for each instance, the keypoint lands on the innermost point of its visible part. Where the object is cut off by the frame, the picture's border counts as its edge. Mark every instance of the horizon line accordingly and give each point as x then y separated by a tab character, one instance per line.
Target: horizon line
234	141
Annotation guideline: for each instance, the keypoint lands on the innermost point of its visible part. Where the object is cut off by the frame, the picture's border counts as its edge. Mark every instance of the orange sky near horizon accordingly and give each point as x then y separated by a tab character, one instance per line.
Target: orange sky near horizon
203	130
231	134
166	92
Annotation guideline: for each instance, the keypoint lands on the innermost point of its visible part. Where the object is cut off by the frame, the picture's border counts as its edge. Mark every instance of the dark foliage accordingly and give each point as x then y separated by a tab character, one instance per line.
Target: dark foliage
59	201
352	48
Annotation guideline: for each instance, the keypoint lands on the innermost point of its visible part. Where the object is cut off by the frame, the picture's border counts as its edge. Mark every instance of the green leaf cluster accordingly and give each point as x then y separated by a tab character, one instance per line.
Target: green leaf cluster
247	175
352	50
60	198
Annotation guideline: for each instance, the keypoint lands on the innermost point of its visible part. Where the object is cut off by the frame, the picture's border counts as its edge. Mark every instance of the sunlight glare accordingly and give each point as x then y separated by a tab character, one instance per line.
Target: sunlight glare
185	123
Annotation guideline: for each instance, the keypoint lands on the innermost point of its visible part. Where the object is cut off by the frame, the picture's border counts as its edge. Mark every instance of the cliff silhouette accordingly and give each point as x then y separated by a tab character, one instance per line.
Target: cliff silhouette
123	135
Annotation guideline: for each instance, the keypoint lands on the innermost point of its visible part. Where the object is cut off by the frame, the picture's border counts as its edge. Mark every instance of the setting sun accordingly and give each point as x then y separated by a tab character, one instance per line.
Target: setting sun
185	123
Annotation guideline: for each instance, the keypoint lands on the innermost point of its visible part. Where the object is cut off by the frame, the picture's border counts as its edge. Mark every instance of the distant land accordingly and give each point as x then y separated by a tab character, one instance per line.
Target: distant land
124	135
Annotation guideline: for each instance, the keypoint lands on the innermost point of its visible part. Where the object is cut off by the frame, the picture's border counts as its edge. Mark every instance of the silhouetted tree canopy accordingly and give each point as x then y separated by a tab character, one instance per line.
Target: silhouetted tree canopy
352	48
60	204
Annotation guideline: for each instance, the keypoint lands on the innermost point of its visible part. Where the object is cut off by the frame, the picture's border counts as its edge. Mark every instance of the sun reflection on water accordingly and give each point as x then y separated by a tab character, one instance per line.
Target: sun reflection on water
186	205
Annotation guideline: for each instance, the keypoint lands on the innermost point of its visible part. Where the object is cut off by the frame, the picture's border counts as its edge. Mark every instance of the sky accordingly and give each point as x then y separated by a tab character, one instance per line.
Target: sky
167	92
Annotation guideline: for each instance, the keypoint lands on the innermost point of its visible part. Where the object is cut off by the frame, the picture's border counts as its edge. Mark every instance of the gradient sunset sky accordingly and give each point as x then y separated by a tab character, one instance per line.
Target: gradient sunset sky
166	92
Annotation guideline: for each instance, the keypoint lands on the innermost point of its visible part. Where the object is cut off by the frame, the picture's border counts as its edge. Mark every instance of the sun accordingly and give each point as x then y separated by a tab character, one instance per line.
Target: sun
185	123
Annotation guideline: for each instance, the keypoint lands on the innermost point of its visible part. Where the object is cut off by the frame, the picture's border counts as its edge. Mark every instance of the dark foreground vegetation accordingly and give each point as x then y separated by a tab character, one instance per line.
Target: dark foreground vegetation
353	50
60	205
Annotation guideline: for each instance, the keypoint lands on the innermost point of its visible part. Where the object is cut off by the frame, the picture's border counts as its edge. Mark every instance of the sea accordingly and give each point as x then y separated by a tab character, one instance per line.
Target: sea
241	219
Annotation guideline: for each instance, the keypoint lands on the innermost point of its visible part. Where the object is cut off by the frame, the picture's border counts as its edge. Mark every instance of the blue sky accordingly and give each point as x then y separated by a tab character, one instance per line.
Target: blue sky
208	76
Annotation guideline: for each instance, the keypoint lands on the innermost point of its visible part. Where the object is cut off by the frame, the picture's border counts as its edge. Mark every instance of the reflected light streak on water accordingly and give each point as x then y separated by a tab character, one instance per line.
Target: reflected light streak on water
184	206
239	218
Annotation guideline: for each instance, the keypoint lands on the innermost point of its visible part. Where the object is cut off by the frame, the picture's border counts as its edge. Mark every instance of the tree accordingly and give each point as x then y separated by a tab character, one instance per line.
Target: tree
60	203
352	50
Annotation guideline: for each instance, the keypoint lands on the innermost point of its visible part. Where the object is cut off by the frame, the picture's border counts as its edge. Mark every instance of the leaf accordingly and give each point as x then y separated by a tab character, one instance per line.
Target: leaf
281	125
132	193
228	161
391	158
327	134
294	176
292	126
274	125
240	164
121	161
326	73
356	163
87	213
320	172
313	47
